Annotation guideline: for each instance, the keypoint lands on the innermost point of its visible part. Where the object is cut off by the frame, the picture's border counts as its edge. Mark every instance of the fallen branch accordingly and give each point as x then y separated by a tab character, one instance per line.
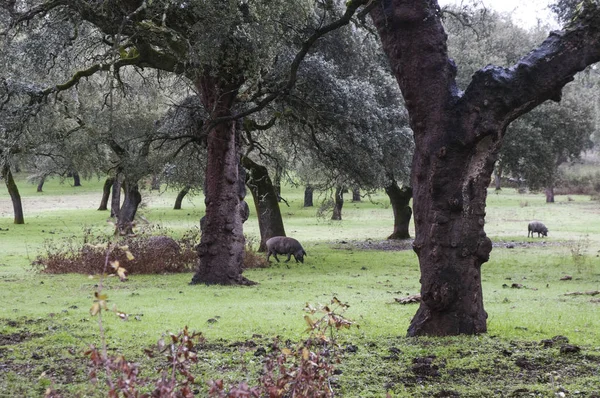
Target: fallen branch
415	298
588	293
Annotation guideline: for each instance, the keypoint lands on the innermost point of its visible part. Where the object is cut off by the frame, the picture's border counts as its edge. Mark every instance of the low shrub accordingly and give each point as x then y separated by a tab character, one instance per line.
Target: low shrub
141	254
149	254
305	369
253	259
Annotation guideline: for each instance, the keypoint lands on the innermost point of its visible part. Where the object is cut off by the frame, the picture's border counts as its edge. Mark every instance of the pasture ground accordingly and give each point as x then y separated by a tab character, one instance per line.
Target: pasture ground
45	324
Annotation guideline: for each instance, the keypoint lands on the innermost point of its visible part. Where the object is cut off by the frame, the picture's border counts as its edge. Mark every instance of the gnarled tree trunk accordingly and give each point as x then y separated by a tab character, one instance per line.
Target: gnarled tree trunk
108	183
184	191
338	203
15	197
40	185
400	198
221	248
457	139
115	200
128	210
308	195
258	181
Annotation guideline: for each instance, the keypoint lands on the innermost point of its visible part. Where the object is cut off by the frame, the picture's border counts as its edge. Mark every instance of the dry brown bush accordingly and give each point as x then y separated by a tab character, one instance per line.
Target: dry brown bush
152	255
253	259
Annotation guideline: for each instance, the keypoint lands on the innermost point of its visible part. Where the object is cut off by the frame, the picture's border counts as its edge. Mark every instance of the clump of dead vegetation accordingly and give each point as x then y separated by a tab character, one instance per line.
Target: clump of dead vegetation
253	259
144	254
150	252
305	369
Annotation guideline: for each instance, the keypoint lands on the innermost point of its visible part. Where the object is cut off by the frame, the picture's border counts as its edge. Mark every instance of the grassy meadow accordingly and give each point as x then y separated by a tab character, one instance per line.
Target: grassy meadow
45	324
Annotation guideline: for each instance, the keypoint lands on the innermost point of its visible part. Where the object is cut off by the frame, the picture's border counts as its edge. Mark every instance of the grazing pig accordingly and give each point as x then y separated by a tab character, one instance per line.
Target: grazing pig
284	245
536	226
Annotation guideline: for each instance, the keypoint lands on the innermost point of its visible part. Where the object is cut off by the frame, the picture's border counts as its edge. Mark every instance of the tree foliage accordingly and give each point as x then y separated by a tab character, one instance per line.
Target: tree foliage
537	142
540	141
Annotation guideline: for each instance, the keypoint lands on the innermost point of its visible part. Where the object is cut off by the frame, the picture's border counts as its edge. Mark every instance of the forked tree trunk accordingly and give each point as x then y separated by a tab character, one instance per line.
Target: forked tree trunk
108	183
450	173
15	197
400	198
356	195
308	195
221	248
338	203
131	202
258	181
40	186
457	139
76	179
550	194
115	201
184	191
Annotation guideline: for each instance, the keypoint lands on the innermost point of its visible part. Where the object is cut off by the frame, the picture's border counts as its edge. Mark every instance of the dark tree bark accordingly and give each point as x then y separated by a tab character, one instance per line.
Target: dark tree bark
356	195
40	186
550	194
131	202
76	179
258	181
106	193
115	201
400	198
308	195
457	139
15	197
221	247
338	203
184	191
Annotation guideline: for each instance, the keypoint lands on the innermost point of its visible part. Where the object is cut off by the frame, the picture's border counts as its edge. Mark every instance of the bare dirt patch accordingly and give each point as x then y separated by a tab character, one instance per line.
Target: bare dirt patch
16	338
369	244
49	203
406	244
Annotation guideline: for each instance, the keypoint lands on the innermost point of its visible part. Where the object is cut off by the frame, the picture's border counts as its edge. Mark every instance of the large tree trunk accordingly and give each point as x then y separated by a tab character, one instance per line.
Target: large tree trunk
258	181
308	195
450	172
184	191
15	197
338	203
221	248
550	194
400	198
457	139
106	193
115	201
131	202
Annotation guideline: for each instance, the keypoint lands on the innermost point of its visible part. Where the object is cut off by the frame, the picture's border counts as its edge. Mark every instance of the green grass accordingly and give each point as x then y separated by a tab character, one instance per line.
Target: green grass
45	324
